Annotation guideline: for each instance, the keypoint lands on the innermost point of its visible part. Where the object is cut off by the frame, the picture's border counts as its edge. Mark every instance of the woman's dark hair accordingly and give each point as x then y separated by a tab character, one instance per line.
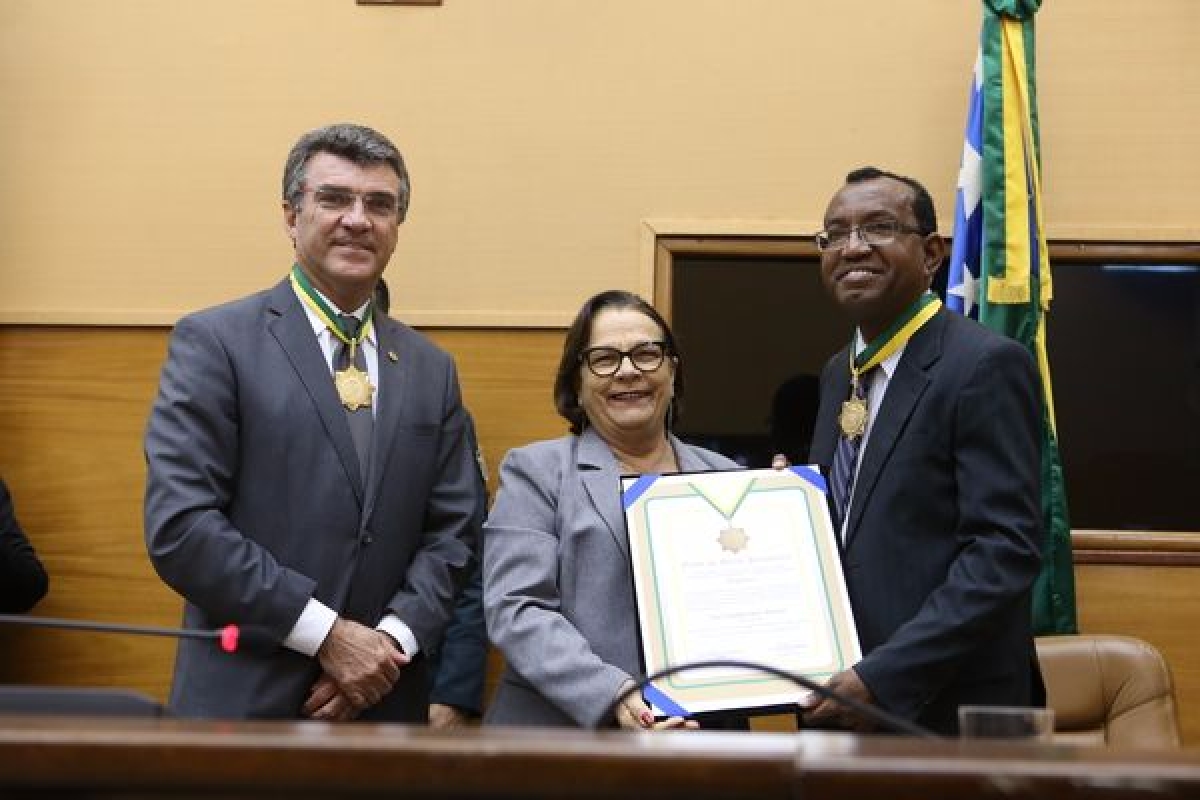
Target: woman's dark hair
566	382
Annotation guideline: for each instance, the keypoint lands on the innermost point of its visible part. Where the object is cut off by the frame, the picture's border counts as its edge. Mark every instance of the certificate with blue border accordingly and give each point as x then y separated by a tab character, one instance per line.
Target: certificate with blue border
739	564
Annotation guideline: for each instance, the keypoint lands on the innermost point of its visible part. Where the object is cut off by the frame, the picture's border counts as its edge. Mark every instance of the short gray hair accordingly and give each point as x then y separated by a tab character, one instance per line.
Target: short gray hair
357	143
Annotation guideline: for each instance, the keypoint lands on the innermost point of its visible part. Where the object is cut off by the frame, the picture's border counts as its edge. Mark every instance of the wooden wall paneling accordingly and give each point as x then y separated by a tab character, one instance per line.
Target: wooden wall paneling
73	404
507	379
73	407
1160	604
1144	584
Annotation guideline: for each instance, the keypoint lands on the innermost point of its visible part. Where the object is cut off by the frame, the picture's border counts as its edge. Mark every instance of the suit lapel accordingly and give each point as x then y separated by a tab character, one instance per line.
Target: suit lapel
290	327
835	388
688	460
601	479
905	388
395	384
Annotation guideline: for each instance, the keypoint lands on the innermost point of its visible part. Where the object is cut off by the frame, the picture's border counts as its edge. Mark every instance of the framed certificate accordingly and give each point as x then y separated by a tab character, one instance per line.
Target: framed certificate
738	564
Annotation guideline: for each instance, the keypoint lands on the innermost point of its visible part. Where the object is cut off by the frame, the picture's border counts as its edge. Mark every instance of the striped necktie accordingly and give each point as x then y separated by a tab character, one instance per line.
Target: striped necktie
845	457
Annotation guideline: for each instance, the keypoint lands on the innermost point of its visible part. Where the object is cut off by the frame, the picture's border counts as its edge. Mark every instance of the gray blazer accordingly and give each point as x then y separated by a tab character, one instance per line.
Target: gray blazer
558	591
254	501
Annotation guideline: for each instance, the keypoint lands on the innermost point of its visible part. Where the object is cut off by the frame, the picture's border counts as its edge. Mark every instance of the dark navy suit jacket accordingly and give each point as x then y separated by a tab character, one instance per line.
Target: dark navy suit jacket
459	665
943	540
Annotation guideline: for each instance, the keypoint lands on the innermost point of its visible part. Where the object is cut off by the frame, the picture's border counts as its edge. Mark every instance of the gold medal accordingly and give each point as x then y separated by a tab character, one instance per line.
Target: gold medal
852	420
353	387
853	417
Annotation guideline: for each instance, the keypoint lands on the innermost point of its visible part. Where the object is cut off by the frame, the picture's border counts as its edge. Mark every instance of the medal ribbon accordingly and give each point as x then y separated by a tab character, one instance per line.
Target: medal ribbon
891	340
327	315
741	498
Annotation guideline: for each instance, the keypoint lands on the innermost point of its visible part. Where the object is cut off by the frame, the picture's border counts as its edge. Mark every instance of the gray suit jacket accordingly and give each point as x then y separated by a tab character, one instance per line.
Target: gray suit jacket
254	501
558	591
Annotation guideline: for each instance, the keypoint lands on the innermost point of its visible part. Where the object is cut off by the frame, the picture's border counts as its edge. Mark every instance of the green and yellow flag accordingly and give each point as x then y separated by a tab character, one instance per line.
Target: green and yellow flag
999	271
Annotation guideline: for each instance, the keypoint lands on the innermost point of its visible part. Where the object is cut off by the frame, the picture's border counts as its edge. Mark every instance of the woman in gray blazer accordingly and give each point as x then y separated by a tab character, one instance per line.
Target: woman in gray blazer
558	592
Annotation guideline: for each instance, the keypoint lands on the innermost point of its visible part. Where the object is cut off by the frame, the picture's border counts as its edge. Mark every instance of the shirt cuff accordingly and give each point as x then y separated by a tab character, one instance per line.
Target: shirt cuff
310	630
394	627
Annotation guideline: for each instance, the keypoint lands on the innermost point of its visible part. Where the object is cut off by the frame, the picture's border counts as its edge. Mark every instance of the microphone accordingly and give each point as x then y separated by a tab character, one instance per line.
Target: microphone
875	713
230	638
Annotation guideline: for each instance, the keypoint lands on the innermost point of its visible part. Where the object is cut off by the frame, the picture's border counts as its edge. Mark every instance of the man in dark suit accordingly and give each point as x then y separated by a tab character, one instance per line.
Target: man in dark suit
23	579
459	667
309	470
928	433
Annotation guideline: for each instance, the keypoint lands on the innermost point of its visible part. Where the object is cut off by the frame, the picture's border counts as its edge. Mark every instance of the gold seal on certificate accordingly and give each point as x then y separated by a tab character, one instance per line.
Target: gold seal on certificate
853	417
733	540
766	587
353	387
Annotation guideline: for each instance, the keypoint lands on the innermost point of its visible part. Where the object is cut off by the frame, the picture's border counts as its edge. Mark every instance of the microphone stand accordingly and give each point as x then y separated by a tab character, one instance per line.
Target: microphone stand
227	636
885	718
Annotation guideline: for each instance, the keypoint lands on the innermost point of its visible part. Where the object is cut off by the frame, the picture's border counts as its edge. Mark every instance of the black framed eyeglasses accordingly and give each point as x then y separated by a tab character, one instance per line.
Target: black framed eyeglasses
872	234
604	362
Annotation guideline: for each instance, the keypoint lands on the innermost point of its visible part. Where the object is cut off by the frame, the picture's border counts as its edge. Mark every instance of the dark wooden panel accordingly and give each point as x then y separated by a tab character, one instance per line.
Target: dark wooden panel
80	757
1132	548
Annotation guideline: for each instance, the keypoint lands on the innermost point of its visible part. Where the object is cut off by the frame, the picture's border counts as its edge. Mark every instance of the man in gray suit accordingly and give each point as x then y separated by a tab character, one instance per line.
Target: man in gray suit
309	472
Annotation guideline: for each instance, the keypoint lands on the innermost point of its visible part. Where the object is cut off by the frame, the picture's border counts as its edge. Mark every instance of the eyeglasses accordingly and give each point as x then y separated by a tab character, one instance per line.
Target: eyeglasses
872	234
383	205
604	362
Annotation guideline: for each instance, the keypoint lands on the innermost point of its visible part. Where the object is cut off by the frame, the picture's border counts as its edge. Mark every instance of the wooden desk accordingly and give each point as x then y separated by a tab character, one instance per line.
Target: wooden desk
78	757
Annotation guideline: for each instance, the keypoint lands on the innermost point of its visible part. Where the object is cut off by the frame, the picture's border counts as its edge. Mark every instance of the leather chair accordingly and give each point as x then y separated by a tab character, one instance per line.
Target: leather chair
1109	690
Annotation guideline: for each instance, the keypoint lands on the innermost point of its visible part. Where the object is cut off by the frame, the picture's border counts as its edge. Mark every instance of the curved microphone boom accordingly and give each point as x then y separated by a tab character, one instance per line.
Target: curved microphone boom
884	718
230	637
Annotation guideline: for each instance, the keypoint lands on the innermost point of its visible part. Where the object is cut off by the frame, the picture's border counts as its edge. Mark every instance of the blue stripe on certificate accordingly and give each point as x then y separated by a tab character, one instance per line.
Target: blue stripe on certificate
637	489
663	703
812	476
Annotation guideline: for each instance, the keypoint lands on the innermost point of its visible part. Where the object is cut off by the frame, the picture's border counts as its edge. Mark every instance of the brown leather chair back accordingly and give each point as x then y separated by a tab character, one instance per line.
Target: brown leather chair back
1109	690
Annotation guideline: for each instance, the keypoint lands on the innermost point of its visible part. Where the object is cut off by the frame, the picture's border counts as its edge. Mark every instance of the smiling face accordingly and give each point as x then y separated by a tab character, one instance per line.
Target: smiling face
629	408
874	284
343	251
